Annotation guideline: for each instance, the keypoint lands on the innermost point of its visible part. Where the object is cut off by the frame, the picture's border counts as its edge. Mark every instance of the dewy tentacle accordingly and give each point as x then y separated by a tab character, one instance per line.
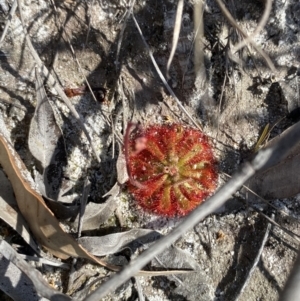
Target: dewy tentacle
173	171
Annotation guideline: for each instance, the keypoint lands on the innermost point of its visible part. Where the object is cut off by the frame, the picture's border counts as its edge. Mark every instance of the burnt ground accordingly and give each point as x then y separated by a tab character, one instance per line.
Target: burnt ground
233	104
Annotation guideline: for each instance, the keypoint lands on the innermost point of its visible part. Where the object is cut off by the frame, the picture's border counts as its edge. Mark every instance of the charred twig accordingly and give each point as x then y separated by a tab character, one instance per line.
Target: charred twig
256	260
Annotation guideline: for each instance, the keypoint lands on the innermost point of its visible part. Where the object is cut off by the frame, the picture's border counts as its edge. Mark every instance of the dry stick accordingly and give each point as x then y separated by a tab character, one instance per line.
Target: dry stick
176	32
131	4
139	289
53	262
161	75
234	24
265	201
11	13
83	202
290	233
259	27
264	159
89	24
256	260
40	284
198	46
53	83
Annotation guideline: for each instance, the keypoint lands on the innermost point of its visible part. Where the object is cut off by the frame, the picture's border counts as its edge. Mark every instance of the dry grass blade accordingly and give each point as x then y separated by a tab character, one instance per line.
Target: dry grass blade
263	159
264	135
265	201
259	27
290	233
129	11
198	46
161	75
139	289
175	34
11	13
235	25
53	83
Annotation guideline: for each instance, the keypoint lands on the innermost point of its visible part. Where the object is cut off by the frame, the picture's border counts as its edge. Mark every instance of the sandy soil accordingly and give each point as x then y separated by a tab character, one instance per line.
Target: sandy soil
233	105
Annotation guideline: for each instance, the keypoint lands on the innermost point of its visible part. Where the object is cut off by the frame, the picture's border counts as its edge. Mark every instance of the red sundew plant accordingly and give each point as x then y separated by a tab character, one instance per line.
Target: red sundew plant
171	168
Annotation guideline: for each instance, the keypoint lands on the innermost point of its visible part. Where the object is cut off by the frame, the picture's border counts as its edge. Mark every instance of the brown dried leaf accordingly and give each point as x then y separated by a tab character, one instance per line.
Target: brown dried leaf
41	220
9	212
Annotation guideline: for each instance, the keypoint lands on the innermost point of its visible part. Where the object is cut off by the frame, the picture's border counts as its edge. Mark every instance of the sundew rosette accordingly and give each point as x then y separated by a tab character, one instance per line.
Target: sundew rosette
171	168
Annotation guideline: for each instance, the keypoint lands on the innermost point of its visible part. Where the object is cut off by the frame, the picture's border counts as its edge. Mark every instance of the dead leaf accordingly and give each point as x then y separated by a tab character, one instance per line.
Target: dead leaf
132	239
45	141
97	214
13	286
282	180
44	131
9	212
41	220
113	243
62	211
122	167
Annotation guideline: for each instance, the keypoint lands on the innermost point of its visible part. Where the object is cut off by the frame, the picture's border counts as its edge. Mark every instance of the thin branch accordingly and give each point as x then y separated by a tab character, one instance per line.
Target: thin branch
161	75
198	46
128	13
8	21
53	83
259	27
176	32
265	158
290	233
256	260
249	39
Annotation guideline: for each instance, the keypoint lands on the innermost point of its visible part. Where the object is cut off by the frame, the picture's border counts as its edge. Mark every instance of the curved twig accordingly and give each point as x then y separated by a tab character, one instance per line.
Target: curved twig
176	32
231	20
